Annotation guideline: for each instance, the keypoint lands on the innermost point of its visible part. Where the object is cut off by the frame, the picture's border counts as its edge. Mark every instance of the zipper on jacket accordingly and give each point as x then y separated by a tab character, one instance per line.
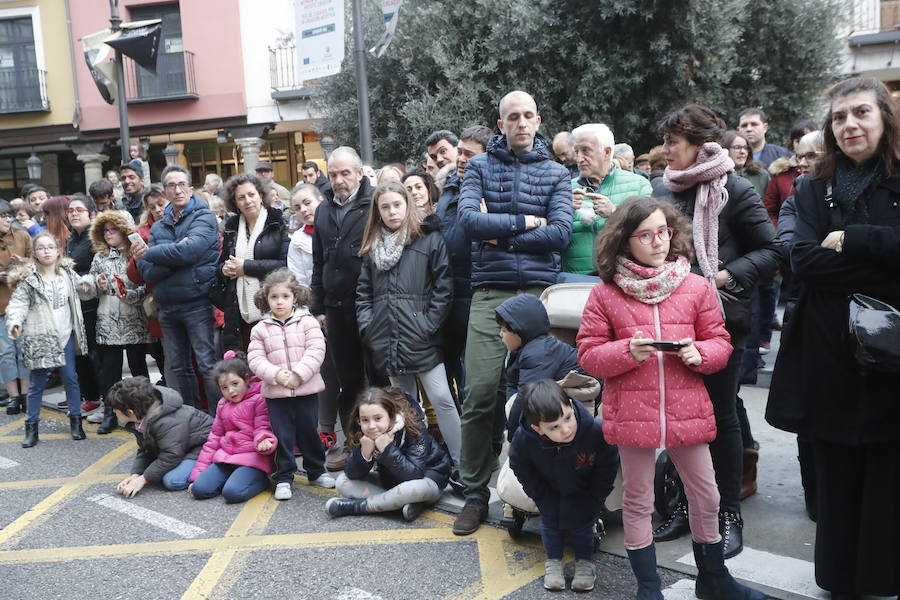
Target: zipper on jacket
662	380
287	353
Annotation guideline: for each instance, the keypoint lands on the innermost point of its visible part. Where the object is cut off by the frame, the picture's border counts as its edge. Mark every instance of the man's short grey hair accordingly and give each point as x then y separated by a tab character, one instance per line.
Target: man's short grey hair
215	180
175	169
622	150
601	133
349	152
566	136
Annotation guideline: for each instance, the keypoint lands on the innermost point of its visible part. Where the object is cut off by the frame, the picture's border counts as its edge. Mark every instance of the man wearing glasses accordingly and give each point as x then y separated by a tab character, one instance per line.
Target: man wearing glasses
180	259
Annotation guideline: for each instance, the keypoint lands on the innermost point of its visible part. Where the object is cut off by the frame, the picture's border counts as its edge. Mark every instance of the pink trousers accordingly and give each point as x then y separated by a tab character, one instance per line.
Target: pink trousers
695	467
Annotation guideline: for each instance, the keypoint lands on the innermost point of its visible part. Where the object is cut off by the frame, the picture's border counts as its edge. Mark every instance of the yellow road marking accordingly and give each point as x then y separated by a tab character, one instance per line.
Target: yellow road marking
12	426
60	481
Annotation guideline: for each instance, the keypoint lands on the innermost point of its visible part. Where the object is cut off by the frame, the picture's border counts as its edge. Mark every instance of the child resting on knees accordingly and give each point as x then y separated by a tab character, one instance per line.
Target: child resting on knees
567	468
388	430
237	458
169	434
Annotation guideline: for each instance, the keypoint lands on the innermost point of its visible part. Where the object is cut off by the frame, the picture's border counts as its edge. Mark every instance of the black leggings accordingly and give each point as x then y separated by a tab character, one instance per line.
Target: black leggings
111	359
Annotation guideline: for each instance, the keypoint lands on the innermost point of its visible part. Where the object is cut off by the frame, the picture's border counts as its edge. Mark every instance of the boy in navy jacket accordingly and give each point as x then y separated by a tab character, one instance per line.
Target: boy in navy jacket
562	461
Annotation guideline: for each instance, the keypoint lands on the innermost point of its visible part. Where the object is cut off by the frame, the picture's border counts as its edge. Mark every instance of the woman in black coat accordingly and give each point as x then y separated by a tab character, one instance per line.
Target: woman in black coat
255	244
747	252
847	240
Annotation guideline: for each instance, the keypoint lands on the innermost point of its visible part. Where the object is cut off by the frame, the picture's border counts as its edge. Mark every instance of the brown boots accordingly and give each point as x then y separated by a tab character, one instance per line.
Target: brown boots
748	480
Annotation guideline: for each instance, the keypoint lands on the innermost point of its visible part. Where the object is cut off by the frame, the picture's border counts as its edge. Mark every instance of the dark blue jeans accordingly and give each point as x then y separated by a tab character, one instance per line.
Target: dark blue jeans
295	421
184	330
70	382
580	538
236	484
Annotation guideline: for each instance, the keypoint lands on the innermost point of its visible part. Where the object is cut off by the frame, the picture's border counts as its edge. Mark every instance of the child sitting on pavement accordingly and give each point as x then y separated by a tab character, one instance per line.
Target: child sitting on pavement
169	433
564	464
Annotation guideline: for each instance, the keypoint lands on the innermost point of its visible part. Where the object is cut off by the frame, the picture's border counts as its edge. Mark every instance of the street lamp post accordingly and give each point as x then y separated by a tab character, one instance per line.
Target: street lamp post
115	24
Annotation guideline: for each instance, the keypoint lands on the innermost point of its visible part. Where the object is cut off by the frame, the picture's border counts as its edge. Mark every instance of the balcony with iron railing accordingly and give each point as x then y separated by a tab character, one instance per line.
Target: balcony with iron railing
173	80
285	83
873	22
23	90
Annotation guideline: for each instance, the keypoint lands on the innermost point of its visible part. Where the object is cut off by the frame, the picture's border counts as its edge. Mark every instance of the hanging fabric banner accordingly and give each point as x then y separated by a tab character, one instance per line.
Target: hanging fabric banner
391	11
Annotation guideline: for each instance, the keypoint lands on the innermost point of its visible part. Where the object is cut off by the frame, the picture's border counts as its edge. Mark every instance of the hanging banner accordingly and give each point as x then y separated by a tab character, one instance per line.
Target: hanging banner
139	41
97	53
391	11
320	38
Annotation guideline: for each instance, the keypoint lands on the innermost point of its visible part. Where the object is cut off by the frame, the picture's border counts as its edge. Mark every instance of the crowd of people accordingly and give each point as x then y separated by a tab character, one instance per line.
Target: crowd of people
403	303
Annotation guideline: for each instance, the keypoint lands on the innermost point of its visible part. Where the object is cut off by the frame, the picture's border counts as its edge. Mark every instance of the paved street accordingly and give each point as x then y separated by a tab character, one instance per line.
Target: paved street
65	533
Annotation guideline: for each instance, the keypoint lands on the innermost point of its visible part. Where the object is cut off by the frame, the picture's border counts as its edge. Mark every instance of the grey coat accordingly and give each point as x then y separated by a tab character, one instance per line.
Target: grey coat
119	322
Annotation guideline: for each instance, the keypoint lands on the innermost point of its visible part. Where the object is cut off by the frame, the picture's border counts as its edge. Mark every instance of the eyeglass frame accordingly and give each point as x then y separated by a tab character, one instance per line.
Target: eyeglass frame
809	155
173	185
76	210
670	230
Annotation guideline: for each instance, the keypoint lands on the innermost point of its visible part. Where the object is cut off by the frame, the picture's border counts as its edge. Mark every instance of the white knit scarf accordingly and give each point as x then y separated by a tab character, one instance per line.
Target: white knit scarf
248	286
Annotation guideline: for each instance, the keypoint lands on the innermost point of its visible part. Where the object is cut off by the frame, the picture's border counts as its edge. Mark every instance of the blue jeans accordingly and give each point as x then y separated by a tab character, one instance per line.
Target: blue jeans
11	365
581	538
185	330
70	382
177	478
236	484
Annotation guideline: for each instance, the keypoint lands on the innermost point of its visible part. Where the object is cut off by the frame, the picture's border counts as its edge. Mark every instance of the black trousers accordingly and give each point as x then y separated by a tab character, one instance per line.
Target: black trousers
111	359
858	517
294	421
727	449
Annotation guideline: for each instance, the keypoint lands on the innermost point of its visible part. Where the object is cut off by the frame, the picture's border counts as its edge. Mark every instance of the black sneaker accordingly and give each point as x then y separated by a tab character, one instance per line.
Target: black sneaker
469	519
411	512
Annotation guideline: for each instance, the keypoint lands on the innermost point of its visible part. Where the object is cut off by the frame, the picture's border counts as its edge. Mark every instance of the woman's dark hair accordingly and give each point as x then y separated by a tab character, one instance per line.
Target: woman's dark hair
751	167
799	129
697	123
613	239
234	362
281	277
86	200
154	191
543	401
889	145
136	394
393	401
428	180
241	178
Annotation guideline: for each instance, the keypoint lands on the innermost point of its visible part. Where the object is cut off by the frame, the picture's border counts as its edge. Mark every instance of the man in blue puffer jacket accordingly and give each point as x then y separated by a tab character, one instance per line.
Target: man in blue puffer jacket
180	259
516	206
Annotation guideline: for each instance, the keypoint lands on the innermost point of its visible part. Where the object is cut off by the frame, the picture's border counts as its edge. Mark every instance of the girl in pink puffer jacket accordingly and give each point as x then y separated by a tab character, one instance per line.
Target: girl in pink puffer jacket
655	396
236	459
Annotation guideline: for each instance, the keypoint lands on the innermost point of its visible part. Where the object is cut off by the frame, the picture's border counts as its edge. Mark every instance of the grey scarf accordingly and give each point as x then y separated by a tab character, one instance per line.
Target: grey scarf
387	248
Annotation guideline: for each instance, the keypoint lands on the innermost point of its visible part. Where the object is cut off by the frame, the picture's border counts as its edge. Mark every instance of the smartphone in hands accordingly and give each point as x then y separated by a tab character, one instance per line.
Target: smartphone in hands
667	346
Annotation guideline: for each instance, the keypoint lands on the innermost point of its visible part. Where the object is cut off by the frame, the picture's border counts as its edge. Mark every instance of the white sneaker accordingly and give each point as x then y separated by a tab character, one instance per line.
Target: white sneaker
324	480
283	491
95	417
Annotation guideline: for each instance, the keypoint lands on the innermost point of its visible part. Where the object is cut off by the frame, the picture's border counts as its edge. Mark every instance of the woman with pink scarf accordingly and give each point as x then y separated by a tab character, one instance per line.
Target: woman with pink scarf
735	246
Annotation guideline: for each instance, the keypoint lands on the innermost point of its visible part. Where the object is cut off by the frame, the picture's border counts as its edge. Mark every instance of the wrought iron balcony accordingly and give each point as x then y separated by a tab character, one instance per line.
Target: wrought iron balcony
283	75
173	80
23	90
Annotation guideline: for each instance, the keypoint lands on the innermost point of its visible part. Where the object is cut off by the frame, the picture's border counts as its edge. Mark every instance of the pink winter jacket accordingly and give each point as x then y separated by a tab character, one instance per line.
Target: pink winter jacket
659	402
297	345
239	427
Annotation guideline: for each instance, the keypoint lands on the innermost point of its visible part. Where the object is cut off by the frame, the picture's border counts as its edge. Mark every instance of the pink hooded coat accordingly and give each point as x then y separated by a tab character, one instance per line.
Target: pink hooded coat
659	402
239	427
298	345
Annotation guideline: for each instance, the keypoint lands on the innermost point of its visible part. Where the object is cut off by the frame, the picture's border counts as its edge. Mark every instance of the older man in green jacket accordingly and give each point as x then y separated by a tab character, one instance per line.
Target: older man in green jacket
600	187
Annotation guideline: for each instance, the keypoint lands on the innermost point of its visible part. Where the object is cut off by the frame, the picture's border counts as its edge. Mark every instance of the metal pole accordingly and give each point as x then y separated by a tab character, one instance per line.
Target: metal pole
362	83
115	23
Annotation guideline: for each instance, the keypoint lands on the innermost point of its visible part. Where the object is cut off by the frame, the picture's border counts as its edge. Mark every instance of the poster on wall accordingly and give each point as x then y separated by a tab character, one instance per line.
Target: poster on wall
320	38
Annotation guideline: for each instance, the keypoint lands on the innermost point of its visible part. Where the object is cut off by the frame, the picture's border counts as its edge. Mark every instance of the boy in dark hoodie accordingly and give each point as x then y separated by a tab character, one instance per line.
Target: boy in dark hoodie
562	461
533	353
170	434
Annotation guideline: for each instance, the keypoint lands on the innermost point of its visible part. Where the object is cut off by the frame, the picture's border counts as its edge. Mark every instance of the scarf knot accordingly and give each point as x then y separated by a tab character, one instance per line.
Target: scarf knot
387	248
650	285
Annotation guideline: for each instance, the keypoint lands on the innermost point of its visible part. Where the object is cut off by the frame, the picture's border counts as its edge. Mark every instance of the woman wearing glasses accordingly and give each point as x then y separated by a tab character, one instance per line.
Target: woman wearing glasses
15	248
752	170
734	246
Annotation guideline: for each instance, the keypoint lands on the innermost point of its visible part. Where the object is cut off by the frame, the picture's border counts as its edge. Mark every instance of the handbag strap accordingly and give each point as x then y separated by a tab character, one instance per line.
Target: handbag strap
836	222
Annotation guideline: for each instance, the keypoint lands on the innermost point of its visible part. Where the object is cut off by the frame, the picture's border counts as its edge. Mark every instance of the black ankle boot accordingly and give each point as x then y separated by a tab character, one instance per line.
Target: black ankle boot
675	526
731	527
643	563
31	435
75	428
714	582
110	422
343	507
16	405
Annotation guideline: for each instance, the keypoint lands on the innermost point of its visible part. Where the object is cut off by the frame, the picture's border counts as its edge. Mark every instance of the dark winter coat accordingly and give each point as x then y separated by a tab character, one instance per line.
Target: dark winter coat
459	245
817	388
568	482
541	356
748	247
513	186
336	260
407	458
323	184
400	311
269	254
181	258
172	433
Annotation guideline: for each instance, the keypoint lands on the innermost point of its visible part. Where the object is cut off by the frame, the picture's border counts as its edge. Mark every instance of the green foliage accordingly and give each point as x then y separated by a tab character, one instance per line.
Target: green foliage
622	62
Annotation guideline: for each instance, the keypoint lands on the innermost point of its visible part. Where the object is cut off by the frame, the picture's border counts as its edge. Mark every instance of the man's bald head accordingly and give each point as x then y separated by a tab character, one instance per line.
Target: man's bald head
515	96
519	121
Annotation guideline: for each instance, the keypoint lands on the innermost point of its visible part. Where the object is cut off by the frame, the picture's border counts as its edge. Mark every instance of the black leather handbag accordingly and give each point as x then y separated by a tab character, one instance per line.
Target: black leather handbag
875	334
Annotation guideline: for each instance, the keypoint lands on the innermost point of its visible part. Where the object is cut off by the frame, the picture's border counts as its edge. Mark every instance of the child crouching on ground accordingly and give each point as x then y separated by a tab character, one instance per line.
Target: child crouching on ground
388	430
567	468
169	433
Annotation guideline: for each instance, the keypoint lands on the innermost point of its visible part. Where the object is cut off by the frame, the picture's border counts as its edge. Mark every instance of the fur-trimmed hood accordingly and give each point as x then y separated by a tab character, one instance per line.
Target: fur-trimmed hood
115	218
782	165
22	271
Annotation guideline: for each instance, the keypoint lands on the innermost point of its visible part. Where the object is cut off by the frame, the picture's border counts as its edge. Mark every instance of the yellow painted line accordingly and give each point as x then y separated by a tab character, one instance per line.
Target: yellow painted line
13	425
217	565
60	481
